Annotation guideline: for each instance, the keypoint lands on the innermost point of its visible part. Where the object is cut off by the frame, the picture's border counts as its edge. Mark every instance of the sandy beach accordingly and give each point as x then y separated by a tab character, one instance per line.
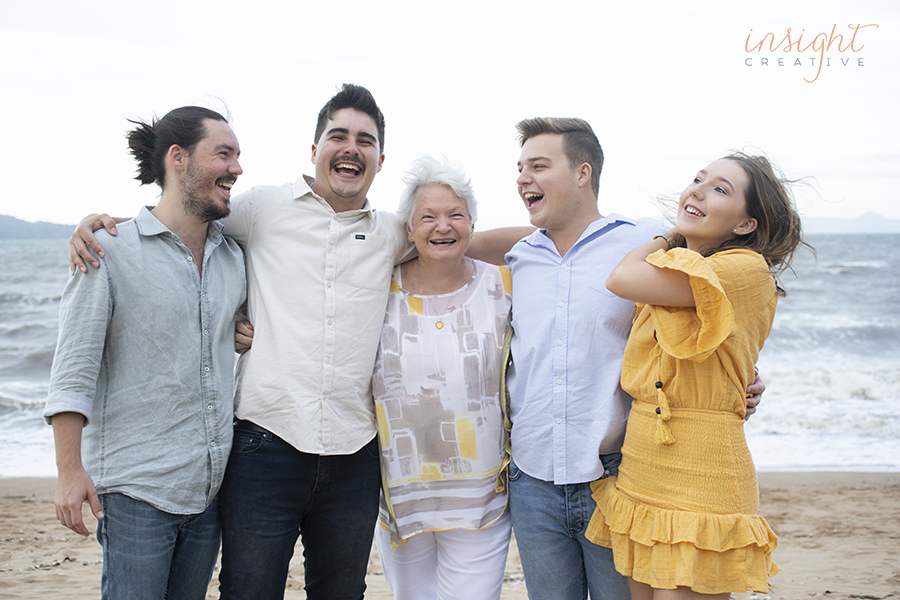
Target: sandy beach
839	539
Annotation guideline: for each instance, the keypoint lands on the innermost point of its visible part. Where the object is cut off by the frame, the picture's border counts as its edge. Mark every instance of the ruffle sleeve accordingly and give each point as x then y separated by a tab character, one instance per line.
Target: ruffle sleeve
692	333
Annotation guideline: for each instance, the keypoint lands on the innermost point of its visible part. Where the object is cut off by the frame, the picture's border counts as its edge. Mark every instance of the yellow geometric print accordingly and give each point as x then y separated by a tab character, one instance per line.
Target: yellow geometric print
465	437
415	305
431	472
384	431
507	280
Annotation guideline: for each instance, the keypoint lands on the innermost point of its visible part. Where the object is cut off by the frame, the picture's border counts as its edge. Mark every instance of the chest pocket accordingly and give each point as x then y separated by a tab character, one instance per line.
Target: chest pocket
370	262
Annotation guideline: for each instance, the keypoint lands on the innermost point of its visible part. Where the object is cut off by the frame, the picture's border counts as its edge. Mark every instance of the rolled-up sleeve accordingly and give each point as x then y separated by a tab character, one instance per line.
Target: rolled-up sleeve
84	313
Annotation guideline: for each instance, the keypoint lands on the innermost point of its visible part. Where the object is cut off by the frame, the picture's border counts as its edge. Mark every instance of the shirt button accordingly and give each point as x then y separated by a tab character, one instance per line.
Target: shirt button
562	303
206	369
330	321
209	407
213	444
190	258
559	342
206	332
559	420
565	266
328	284
559	381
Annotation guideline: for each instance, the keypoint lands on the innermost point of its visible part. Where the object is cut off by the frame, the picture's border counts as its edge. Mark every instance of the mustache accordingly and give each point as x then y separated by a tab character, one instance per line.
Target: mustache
349	158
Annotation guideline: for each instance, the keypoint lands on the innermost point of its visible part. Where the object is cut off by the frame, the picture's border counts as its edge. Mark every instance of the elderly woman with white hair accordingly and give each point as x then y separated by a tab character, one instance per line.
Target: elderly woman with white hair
443	529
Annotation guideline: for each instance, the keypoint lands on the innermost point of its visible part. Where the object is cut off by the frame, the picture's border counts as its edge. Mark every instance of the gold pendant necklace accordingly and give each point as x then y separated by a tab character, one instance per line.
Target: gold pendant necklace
440	321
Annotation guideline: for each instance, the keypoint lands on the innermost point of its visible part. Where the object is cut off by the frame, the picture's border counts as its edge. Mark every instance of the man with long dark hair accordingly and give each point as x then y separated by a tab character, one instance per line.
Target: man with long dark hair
143	371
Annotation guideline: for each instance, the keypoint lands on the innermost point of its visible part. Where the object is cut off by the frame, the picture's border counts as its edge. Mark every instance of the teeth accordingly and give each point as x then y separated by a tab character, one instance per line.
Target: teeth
693	211
225	184
347	166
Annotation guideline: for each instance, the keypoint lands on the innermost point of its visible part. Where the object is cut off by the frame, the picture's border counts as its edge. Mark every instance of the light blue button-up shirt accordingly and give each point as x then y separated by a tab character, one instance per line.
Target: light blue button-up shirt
146	354
567	406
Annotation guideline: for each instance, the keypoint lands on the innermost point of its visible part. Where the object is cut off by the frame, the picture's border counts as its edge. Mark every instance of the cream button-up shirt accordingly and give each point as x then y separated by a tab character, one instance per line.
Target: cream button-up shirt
318	284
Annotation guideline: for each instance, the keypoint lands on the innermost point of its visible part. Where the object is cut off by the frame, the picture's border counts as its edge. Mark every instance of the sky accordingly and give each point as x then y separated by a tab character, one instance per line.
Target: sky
668	87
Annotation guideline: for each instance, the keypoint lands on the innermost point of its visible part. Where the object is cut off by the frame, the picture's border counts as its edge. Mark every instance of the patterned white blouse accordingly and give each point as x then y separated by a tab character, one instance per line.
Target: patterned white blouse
437	401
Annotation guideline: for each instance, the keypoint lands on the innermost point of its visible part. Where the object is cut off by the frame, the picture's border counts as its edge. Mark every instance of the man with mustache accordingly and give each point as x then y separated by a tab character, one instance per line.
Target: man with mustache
143	371
305	460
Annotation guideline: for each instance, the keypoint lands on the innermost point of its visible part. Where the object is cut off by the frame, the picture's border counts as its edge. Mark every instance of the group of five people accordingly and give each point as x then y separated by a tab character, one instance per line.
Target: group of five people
496	400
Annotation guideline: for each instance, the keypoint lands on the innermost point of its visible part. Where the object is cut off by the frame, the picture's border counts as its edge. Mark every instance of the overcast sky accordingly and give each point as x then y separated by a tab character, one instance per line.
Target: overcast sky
664	84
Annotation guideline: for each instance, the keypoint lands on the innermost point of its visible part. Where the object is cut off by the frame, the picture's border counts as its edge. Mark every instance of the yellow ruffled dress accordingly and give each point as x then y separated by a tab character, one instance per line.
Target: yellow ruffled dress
682	511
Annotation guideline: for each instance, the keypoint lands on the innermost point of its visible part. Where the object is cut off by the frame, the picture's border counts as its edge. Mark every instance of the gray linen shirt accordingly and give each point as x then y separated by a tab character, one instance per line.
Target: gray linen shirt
146	354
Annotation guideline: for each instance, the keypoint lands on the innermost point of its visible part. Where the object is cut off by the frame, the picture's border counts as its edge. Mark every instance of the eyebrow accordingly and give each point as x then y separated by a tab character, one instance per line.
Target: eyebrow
228	147
720	178
346	131
533	159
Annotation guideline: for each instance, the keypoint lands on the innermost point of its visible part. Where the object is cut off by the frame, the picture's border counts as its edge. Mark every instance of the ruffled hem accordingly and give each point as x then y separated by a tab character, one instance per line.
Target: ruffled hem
709	553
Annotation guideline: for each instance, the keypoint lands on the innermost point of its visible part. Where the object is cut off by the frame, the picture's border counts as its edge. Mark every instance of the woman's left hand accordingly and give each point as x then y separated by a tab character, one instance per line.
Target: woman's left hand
754	394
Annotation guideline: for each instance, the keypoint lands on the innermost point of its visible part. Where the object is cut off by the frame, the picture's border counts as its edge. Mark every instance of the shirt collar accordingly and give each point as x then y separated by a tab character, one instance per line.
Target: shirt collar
304	185
612	220
149	225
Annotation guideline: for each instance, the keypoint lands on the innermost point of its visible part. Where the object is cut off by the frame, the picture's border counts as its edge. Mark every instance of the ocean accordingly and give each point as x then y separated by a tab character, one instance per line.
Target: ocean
831	364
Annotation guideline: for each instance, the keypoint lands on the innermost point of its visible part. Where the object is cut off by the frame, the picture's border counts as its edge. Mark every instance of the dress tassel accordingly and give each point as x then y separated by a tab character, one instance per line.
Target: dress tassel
663	414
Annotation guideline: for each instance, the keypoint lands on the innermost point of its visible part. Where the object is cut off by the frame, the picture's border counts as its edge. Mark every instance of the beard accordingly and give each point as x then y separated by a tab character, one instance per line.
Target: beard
195	204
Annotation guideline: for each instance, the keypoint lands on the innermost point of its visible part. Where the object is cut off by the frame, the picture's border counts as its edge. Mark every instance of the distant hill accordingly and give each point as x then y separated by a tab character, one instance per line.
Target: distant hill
867	223
12	228
16	229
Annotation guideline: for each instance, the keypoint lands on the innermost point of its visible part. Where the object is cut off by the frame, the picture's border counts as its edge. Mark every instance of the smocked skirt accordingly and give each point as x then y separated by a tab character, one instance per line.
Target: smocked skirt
684	514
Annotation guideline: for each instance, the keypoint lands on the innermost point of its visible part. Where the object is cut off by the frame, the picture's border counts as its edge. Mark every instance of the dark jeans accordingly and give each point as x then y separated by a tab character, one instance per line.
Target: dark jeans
271	494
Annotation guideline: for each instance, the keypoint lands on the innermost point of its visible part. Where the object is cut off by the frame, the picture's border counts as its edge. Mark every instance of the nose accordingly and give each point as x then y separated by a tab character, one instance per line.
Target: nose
235	168
523	178
443	223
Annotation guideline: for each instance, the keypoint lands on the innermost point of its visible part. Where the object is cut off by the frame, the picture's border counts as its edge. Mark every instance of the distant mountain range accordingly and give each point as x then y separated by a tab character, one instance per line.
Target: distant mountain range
16	229
12	228
867	223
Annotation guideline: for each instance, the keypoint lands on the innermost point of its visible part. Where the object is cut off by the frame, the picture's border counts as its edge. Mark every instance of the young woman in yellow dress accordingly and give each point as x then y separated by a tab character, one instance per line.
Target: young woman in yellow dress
681	517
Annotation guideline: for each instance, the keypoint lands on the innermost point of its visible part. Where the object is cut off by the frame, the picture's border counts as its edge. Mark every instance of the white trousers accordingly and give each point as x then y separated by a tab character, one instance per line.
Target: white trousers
455	564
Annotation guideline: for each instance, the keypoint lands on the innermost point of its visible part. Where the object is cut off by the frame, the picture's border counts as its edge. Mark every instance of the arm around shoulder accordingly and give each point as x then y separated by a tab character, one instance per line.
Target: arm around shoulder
492	245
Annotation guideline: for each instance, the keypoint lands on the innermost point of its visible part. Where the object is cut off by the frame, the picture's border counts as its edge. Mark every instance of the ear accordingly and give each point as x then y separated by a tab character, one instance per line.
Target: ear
747	227
313	154
380	162
584	174
177	157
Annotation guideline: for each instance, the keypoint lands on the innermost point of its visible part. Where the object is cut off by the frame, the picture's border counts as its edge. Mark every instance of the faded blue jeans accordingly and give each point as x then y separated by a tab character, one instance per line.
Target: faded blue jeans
149	554
549	522
273	493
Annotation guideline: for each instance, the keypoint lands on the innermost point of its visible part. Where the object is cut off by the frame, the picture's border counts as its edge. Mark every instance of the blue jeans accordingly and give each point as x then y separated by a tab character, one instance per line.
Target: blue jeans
274	493
549	522
150	554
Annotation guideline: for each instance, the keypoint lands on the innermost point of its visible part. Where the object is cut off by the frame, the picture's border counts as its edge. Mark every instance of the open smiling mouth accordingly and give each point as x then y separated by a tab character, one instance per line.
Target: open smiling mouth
694	211
345	167
225	184
532	198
